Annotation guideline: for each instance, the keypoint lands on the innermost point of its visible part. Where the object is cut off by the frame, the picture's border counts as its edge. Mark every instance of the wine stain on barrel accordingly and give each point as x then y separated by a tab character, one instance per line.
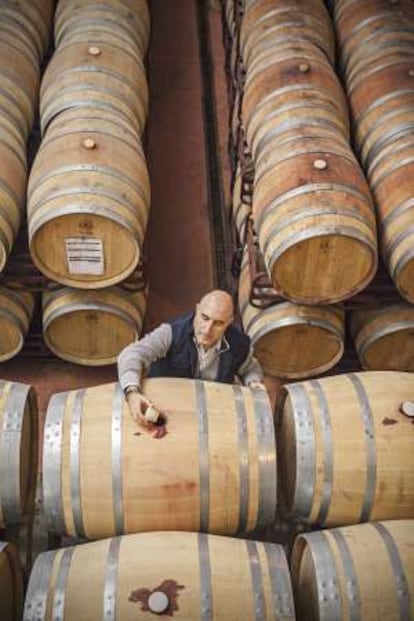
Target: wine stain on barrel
171	589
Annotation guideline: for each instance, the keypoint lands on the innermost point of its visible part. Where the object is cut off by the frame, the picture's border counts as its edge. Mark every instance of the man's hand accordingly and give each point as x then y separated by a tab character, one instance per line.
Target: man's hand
138	405
257	386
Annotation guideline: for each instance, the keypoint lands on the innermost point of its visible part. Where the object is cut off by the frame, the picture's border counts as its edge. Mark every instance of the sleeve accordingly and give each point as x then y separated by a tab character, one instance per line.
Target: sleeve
251	370
140	354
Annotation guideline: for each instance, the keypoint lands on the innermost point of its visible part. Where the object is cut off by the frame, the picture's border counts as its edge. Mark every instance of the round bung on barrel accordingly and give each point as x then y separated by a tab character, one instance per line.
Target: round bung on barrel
384	338
92	327
16	311
178	574
356	572
88	201
346	450
18	451
290	340
114	477
11	583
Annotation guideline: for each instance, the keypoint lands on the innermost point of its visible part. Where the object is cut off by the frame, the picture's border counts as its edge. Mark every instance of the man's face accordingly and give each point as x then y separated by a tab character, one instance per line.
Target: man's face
212	318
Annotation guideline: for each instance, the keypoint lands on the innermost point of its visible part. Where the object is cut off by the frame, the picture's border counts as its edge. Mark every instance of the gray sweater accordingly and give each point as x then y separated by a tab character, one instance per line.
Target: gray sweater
138	356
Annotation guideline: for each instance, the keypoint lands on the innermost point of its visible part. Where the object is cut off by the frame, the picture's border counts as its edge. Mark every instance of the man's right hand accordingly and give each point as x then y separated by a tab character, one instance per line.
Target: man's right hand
138	405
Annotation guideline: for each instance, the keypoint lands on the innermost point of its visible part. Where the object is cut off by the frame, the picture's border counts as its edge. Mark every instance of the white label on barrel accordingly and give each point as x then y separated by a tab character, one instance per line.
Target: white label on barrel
85	255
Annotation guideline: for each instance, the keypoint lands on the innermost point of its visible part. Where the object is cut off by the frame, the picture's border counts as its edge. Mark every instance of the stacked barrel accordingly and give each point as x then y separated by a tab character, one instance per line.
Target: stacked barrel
24	36
88	193
310	205
379	81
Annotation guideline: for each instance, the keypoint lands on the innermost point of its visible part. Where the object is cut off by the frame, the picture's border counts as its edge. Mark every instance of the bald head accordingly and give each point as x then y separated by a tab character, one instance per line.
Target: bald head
214	314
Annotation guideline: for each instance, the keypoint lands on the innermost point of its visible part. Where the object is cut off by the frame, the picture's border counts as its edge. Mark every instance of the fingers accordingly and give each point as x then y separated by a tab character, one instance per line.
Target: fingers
257	386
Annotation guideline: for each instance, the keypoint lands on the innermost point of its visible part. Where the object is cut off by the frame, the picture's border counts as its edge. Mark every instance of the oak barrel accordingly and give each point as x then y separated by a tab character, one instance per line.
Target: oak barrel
126	22
88	201
11	583
315	221
103	475
291	340
104	76
346	450
384	338
190	576
91	327
362	572
18	451
287	22
16	311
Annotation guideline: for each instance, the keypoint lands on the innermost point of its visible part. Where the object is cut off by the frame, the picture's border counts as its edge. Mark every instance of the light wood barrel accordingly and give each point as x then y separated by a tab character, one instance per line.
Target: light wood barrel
126	22
91	327
362	572
105	76
291	340
16	312
196	576
103	475
384	338
313	213
88	201
346	450
18	451
11	583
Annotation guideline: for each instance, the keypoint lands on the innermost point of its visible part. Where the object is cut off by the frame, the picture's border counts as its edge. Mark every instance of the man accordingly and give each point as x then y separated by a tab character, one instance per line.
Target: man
202	345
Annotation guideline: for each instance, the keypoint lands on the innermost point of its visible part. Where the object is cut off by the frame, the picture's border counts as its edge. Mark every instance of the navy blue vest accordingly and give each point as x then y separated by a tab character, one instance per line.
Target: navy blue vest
181	359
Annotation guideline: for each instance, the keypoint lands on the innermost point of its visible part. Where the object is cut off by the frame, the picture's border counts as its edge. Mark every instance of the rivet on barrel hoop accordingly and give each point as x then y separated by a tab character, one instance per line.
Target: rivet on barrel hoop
304	67
89	143
94	50
320	164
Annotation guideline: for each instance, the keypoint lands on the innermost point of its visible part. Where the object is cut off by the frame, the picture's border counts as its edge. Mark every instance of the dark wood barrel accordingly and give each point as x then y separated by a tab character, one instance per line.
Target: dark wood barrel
11	583
189	575
356	572
292	88
18	451
92	327
114	477
384	338
286	21
88	201
291	340
126	22
346	450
